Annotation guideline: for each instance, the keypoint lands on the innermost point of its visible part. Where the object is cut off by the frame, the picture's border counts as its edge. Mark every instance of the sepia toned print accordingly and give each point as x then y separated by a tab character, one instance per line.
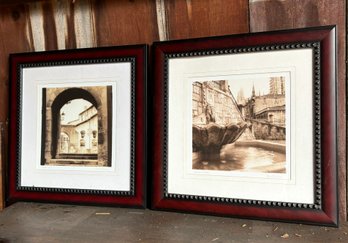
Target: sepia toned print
239	125
76	126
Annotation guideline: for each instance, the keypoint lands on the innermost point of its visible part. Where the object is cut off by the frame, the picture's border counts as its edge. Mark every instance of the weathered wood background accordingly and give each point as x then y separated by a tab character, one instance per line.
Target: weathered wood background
64	24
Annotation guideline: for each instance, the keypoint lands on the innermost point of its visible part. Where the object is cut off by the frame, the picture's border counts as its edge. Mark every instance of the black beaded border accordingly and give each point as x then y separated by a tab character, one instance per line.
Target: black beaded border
19	79
315	46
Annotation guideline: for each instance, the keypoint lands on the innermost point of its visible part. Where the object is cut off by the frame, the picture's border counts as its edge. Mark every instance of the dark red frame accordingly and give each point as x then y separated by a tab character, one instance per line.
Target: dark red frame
327	214
138	198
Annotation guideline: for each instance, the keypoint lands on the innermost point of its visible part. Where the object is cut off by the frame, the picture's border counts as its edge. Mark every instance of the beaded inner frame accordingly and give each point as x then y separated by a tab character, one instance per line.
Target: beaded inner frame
315	46
19	78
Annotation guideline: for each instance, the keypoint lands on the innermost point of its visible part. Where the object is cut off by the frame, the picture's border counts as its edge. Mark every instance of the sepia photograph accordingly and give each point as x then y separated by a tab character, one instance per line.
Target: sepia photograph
239	125
76	126
247	122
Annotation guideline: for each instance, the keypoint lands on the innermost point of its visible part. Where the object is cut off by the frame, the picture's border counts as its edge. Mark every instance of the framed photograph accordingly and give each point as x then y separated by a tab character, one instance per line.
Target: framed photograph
245	126
77	126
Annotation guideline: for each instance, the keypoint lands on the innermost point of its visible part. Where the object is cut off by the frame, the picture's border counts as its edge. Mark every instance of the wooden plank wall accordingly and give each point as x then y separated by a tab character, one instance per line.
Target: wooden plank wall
38	25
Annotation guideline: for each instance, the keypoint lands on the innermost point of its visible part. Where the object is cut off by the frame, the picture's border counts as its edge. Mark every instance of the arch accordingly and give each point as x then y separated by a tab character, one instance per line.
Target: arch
72	94
65	134
58	103
53	99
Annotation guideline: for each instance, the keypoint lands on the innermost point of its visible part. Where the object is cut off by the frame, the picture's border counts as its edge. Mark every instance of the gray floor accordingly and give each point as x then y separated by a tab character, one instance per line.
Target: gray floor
36	222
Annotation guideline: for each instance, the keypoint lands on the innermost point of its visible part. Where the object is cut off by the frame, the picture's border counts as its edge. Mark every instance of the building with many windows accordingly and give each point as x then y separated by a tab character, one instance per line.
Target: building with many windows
267	108
81	136
212	101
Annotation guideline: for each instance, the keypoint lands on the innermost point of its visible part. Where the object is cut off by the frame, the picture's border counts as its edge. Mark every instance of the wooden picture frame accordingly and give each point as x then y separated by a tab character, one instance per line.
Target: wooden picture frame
280	92
77	126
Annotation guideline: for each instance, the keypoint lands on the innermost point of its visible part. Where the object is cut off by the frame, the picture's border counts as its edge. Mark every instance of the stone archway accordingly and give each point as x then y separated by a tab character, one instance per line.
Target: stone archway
55	98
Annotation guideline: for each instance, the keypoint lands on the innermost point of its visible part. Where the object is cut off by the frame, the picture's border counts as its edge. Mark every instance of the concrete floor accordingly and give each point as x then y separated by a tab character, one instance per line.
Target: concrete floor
36	222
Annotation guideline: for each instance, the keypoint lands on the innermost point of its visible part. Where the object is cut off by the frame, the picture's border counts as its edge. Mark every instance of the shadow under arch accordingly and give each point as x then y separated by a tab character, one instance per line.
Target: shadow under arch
58	103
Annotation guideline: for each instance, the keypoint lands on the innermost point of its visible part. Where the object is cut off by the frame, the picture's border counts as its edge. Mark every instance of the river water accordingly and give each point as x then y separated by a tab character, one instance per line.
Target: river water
243	158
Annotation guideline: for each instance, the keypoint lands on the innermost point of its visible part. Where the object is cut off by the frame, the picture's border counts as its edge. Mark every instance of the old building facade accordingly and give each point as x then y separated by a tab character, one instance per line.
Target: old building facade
81	136
266	113
269	108
212	101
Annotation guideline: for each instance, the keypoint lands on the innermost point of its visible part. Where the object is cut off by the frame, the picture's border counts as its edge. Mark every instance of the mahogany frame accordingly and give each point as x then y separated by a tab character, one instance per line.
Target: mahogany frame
324	211
136	196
